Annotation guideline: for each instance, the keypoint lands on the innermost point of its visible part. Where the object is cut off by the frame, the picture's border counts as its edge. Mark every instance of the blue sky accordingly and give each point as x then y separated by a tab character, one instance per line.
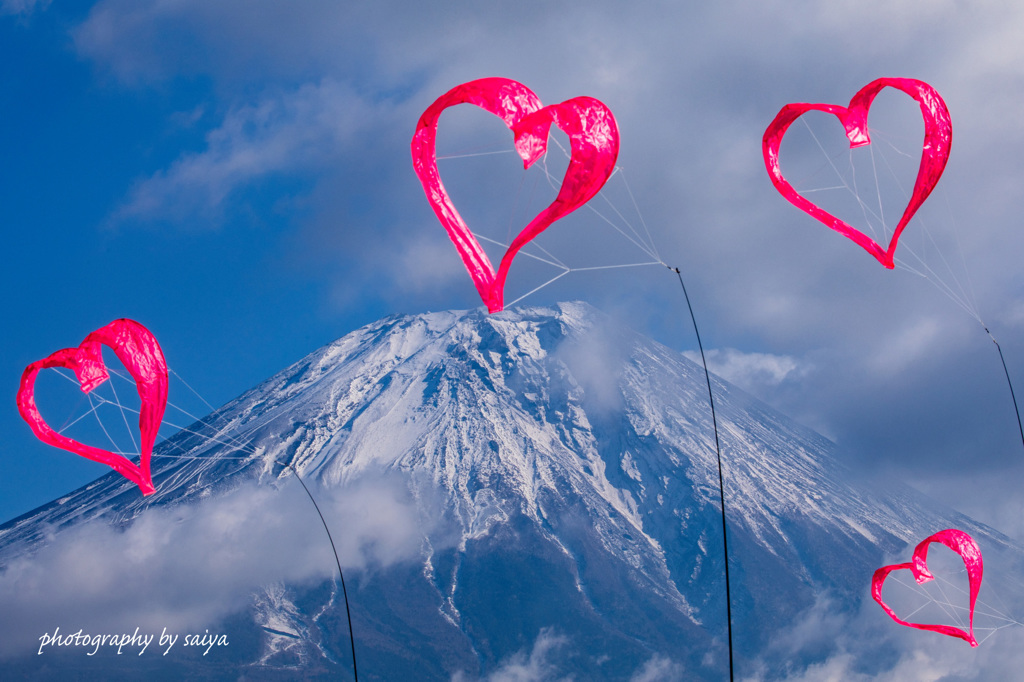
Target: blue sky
236	177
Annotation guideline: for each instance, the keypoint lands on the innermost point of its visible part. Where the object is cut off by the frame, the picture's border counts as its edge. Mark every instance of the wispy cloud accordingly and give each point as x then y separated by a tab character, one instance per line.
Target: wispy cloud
533	666
22	7
659	669
752	371
292	132
542	664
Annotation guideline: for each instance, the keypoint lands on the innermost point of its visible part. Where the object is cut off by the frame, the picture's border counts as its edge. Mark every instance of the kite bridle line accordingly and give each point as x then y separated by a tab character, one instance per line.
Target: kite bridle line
989	619
234	442
534	250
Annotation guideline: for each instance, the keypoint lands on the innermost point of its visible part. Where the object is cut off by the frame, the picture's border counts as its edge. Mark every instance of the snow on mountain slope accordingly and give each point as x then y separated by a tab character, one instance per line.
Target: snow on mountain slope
563	473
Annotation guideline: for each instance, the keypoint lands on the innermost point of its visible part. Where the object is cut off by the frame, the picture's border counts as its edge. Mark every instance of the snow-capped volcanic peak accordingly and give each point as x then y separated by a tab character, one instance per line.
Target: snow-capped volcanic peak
556	480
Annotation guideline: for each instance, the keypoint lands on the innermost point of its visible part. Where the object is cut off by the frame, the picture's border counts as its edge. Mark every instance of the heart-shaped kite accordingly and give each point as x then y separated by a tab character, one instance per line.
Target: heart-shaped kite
961	543
938	135
594	138
139	352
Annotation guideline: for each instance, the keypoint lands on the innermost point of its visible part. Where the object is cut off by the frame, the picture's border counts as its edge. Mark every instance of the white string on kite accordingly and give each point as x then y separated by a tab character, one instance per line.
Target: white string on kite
124	417
471	155
952	601
552	260
877	226
959	291
636	239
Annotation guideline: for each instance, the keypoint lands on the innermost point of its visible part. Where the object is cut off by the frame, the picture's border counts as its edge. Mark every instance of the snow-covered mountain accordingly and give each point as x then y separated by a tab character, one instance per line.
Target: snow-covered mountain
563	477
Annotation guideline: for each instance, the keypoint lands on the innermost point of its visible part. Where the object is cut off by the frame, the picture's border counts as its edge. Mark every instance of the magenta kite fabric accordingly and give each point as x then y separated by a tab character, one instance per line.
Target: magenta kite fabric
594	138
140	353
938	136
961	543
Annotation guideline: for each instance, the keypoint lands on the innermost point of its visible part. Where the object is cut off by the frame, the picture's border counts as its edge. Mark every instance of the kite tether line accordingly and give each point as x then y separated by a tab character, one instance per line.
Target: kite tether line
721	478
334	549
1016	410
233	442
647	246
344	591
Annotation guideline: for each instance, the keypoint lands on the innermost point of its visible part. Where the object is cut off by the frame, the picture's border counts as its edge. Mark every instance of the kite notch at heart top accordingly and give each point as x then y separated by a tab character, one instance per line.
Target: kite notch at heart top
938	135
594	141
139	352
961	543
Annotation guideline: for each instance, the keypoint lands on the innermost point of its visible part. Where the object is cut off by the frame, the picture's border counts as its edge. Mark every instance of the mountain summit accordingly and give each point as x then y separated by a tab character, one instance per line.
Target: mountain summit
560	477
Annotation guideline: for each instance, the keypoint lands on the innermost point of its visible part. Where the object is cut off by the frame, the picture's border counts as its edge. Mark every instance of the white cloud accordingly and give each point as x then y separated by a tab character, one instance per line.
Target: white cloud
596	363
659	669
190	566
752	371
832	645
534	666
538	665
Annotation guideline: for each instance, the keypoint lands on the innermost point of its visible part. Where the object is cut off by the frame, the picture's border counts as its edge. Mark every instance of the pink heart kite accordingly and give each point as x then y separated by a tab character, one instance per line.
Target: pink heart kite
594	139
961	543
938	135
140	353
